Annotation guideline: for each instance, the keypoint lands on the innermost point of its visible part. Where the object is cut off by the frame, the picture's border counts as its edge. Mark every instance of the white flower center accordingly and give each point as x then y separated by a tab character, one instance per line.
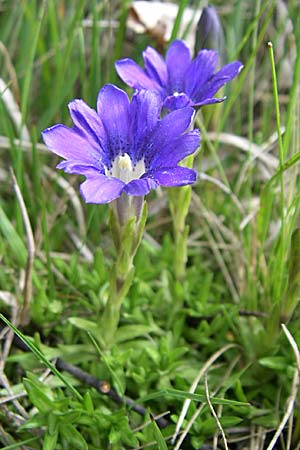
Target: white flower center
123	168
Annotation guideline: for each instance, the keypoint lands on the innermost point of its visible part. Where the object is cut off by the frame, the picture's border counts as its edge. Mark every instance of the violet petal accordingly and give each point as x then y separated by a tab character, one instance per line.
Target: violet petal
86	119
70	144
200	70
223	76
172	125
155	66
178	101
113	109
133	75
176	150
178	59
101	189
144	117
172	176
140	187
79	167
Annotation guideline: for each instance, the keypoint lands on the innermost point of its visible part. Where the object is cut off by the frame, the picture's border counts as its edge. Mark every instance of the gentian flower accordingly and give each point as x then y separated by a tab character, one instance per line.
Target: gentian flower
179	81
124	147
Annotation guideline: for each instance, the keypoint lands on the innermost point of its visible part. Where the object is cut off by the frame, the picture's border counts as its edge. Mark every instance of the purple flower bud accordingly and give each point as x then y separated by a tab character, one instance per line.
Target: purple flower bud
209	34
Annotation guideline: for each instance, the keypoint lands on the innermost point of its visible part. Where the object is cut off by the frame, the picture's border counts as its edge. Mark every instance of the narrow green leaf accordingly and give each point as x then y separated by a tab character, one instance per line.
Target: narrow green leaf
174	393
158	436
50	441
118	383
19	445
37	396
128	332
84	324
73	438
40	356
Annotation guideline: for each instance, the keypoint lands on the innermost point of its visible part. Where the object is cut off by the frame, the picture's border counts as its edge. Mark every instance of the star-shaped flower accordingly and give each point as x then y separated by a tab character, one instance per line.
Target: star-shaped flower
124	147
179	80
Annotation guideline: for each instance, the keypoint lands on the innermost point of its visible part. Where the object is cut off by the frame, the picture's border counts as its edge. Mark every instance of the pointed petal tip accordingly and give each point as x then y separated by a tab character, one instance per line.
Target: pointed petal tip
75	101
209	101
46	130
134	76
46	133
109	87
208	52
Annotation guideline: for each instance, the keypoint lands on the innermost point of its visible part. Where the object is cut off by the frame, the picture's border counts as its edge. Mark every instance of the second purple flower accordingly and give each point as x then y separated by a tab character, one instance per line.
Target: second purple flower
178	80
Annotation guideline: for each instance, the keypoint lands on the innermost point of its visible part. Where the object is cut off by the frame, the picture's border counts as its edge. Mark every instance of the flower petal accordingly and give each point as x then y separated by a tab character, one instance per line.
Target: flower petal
199	71
178	59
144	116
71	144
173	102
141	186
172	126
101	189
155	66
133	75
87	120
176	150
222	77
209	101
78	167
113	109
172	176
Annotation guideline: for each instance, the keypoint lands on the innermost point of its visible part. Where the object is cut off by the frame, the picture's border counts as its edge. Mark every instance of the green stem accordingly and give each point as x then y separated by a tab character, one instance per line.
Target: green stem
118	289
127	222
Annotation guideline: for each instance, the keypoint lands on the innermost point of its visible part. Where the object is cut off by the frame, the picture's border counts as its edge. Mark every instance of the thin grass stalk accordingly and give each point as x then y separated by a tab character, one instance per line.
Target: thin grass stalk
119	38
293	97
249	231
279	276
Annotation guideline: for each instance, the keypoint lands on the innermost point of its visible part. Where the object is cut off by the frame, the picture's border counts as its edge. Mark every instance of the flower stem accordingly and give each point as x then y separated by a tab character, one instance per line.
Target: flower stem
118	289
127	232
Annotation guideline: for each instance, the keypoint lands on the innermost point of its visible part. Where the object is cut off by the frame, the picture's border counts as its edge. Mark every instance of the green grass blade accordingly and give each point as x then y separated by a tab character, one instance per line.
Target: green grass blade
41	357
158	436
178	19
19	445
175	393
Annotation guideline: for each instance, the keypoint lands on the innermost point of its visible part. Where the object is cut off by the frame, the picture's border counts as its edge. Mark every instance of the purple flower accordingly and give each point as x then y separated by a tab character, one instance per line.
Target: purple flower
124	147
179	80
